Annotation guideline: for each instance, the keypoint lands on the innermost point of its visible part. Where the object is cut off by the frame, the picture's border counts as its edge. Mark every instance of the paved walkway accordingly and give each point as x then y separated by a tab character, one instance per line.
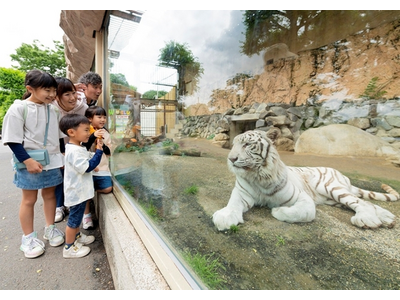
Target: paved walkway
49	271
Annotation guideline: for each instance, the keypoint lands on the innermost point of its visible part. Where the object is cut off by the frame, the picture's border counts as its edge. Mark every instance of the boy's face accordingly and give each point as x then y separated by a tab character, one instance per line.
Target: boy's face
80	134
92	92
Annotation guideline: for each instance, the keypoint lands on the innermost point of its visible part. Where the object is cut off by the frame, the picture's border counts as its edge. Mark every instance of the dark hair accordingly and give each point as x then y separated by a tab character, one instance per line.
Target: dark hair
38	79
64	85
72	121
95	111
90	77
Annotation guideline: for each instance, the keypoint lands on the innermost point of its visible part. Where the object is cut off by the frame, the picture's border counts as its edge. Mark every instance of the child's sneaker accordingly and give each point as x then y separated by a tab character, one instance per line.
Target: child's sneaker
77	250
53	235
60	214
31	245
87	221
85	239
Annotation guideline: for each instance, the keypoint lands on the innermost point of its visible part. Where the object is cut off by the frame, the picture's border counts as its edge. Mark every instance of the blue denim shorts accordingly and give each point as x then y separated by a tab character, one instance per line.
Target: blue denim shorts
27	181
76	214
101	182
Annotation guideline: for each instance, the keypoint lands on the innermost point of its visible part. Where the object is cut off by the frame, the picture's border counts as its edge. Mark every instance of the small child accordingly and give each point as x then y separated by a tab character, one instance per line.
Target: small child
78	182
101	175
67	102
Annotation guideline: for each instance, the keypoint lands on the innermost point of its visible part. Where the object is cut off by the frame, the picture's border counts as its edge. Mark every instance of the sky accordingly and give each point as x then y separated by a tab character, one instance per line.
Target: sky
17	28
213	35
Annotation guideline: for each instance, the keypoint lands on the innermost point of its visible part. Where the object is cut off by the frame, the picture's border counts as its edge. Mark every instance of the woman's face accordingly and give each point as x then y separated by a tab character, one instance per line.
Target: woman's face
68	100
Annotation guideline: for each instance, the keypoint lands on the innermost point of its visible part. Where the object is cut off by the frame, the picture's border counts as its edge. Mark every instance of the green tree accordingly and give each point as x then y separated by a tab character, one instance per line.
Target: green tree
118	78
37	56
302	29
11	87
152	94
180	57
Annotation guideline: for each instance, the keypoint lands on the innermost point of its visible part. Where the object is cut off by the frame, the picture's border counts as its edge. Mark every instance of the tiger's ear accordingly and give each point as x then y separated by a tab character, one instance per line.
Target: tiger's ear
273	134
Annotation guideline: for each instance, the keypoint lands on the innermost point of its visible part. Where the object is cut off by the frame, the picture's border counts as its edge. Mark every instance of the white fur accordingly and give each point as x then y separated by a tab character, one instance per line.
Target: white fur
262	179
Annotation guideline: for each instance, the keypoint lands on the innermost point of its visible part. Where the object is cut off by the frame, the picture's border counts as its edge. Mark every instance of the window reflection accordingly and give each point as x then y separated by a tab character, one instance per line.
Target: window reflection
176	65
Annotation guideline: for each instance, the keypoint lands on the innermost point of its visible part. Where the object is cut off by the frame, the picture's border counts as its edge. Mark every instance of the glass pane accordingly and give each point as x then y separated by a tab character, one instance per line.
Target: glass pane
185	83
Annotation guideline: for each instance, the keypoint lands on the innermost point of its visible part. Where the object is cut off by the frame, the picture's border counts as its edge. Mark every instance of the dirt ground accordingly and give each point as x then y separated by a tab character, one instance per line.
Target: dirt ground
266	254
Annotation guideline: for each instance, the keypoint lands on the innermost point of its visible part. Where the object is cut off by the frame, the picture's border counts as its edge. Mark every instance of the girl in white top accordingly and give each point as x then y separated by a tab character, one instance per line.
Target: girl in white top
24	128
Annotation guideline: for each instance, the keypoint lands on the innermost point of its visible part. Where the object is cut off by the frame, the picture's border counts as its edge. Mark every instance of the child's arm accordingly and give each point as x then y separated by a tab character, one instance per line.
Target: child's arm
62	146
32	165
95	160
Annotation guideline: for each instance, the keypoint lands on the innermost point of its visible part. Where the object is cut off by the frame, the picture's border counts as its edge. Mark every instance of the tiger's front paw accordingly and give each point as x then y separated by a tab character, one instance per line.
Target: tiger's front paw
225	218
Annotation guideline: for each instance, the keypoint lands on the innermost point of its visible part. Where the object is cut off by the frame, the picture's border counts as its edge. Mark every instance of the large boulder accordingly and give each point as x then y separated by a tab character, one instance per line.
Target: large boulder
342	139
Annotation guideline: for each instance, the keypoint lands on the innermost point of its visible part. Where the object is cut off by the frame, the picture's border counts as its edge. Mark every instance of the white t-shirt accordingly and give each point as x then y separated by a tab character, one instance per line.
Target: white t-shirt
78	185
30	130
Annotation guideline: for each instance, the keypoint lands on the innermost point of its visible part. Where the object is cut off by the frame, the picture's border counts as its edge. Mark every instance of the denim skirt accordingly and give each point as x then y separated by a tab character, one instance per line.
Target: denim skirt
27	181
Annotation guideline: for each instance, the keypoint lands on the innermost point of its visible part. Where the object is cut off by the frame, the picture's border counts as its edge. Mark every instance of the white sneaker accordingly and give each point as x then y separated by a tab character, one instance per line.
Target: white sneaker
53	235
87	221
85	239
31	245
60	214
77	250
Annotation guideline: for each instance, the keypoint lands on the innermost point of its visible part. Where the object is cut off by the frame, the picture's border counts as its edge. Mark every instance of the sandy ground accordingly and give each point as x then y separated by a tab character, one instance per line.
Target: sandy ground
328	253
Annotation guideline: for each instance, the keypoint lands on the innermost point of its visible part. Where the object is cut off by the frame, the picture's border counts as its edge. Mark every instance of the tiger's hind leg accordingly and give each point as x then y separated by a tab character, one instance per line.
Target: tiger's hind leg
371	216
303	210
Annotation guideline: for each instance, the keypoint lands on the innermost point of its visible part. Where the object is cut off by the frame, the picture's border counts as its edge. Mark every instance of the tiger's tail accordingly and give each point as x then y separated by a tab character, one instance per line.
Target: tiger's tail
389	196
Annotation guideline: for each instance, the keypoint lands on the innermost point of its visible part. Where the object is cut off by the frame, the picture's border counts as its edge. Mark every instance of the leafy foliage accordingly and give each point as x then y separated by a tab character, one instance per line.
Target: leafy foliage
300	29
373	91
180	57
37	56
119	78
11	87
152	94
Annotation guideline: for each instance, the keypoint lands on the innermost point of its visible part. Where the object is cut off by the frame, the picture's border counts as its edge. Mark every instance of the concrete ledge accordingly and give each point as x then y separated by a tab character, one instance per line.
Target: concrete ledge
131	265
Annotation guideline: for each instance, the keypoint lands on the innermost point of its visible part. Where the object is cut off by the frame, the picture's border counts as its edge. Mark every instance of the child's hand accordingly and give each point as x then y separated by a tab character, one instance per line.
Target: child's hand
99	133
96	169
32	166
99	144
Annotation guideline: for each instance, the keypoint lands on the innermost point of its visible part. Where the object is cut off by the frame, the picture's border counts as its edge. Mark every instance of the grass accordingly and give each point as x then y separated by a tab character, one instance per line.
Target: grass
234	228
281	241
192	190
150	209
206	267
371	183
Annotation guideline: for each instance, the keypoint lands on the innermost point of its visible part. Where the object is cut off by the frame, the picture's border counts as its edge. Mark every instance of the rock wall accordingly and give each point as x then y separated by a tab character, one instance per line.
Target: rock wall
341	70
379	118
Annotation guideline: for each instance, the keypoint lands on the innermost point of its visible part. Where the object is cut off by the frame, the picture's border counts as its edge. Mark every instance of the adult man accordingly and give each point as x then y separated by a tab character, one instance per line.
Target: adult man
90	87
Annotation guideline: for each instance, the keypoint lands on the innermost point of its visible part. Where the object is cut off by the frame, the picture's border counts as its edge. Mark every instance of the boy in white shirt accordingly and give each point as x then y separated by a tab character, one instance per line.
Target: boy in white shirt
78	181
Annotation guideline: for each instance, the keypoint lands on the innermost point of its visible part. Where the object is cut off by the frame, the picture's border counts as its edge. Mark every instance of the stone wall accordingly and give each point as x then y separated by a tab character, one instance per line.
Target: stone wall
380	118
340	70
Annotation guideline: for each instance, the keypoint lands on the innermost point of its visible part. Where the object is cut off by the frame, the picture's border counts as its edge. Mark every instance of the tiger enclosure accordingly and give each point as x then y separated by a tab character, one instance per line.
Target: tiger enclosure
264	253
325	83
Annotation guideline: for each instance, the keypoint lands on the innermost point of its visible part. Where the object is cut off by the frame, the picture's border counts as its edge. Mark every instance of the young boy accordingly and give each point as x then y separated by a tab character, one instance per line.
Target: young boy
89	88
78	181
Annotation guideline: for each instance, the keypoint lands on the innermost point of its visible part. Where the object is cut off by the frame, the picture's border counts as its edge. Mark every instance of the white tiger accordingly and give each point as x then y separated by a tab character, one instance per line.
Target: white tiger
292	193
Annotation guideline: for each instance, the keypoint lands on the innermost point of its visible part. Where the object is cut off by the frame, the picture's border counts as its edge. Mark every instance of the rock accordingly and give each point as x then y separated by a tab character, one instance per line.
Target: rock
362	123
284	144
342	139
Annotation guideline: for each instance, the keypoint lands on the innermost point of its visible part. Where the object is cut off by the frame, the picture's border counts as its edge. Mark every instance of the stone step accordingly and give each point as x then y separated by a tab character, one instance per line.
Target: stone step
174	132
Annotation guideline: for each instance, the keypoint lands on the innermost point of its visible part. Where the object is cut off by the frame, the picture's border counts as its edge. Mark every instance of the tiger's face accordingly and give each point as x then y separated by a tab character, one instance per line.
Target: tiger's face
249	152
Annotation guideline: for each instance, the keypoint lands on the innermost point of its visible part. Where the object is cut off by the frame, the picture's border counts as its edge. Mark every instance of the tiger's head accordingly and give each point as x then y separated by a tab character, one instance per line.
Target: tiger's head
253	153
